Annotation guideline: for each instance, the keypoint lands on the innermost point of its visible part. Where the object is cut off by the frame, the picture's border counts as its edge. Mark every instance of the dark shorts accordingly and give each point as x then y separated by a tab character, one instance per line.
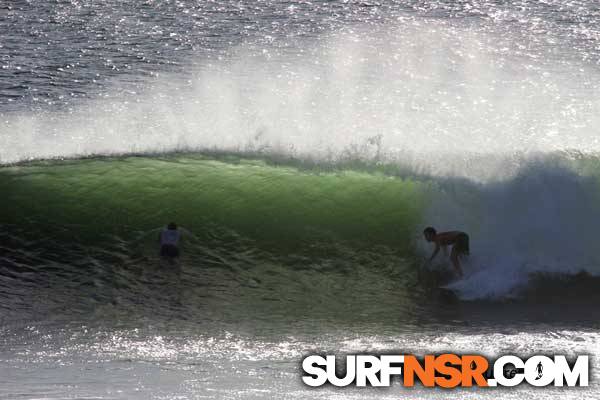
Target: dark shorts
169	250
461	246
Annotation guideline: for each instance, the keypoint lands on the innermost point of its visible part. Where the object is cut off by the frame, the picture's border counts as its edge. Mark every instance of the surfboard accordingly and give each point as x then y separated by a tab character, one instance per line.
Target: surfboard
435	277
436	282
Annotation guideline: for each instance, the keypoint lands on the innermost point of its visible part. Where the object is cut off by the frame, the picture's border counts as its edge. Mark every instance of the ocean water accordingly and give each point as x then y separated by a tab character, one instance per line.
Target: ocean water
303	146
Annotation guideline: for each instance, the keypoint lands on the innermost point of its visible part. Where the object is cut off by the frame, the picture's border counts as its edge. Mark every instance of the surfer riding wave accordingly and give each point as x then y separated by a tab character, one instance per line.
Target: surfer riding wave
458	240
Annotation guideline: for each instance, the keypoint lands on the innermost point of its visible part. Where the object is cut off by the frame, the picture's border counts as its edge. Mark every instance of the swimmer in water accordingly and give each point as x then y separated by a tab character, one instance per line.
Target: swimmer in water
169	240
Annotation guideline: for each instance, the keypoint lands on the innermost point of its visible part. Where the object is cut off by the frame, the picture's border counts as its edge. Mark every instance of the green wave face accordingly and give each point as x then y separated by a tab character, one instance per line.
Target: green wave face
273	242
307	233
92	198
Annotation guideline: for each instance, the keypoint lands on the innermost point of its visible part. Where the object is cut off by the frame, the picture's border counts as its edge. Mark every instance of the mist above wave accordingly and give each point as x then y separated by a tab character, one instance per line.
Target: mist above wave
432	94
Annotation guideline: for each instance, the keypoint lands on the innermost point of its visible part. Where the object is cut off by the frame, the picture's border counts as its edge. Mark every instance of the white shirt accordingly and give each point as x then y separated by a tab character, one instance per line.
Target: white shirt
170	237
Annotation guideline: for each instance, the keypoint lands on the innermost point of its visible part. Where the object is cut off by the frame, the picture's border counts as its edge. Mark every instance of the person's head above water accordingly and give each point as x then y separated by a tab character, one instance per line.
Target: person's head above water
172	226
429	233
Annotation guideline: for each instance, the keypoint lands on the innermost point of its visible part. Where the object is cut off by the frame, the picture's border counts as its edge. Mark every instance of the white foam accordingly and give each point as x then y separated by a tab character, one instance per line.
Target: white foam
431	94
543	220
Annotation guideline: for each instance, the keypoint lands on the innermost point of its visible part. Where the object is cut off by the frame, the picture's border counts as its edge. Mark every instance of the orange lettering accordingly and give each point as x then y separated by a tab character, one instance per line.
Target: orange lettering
473	368
412	366
454	376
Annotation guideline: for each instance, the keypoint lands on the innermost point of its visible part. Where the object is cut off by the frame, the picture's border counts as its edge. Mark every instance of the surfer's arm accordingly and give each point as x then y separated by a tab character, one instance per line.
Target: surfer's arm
188	234
435	252
145	235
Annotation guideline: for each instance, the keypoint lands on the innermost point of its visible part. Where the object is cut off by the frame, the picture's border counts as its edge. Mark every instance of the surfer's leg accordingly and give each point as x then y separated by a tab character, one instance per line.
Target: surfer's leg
456	262
168	250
